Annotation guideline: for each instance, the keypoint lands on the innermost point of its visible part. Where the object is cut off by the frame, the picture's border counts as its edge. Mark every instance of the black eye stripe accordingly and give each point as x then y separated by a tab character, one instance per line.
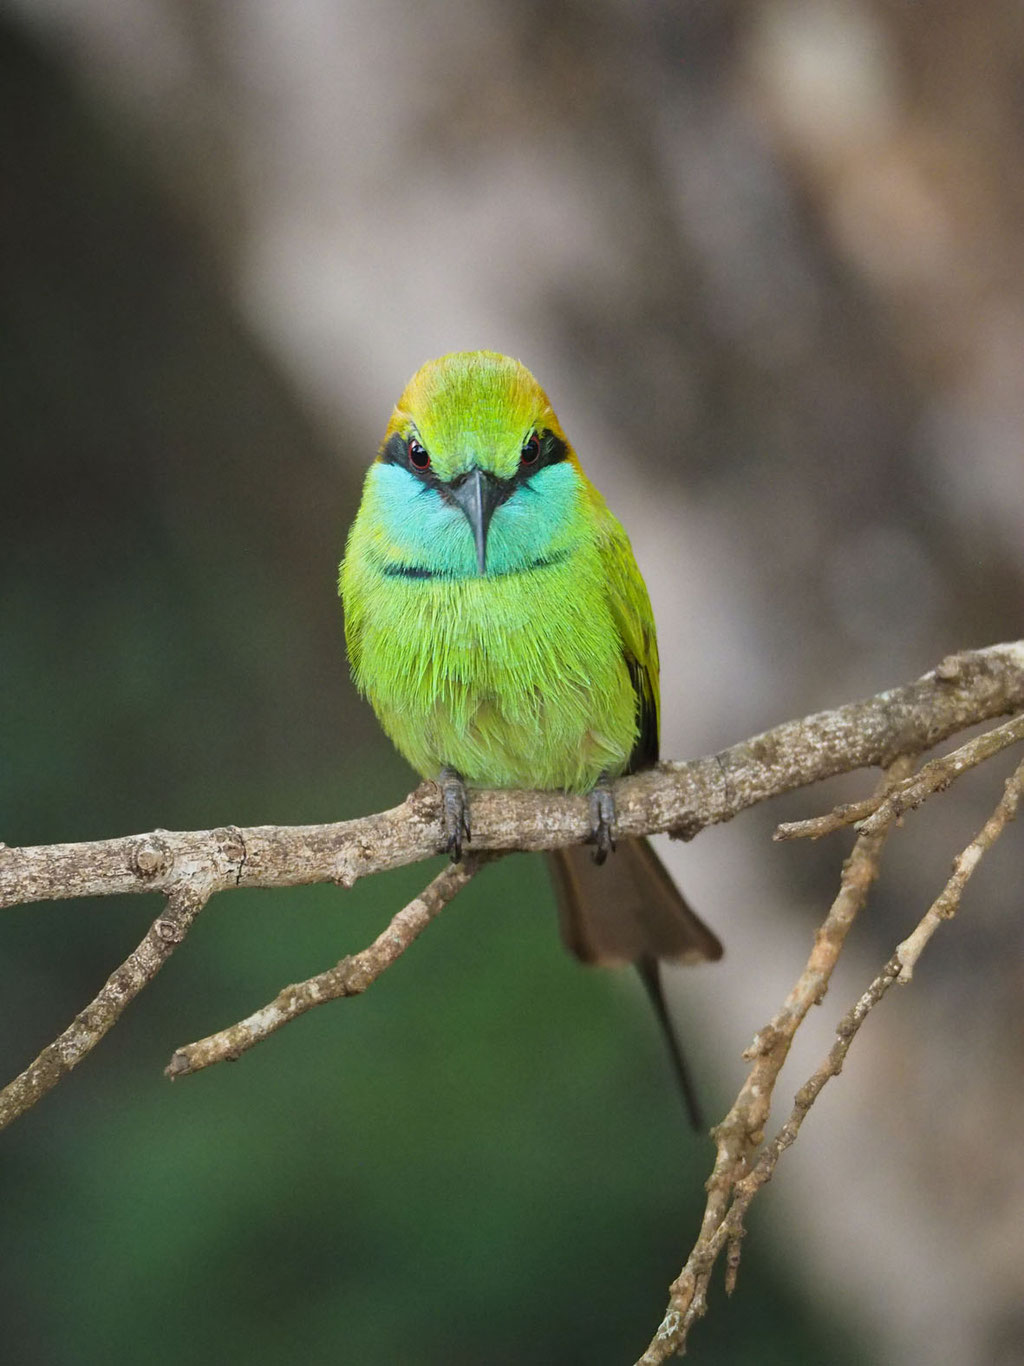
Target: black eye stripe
553	450
395	451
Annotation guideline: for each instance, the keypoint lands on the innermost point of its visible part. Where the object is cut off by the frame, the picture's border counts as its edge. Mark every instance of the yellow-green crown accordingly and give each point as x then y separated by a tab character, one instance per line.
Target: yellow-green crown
473	407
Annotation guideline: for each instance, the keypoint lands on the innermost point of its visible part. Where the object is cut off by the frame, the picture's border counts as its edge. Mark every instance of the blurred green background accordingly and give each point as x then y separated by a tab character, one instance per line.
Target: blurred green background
483	1160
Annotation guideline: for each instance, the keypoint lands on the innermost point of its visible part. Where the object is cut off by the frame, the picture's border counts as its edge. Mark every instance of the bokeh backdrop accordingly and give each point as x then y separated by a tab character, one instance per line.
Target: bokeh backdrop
767	259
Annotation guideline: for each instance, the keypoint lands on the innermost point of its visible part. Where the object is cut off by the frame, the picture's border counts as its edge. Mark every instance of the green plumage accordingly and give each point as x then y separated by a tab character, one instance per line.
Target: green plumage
523	676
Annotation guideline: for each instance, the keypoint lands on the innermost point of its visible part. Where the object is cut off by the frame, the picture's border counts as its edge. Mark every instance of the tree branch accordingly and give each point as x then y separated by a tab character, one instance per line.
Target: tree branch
736	1179
104	1011
741	1132
680	797
876	812
350	977
947	903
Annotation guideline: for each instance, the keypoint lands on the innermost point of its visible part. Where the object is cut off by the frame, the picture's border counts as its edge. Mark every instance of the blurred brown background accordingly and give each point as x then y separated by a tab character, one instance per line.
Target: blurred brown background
767	260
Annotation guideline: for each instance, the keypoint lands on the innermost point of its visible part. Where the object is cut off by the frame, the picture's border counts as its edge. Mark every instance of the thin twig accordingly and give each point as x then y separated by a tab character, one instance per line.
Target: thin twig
689	1293
897	970
350	977
104	1011
940	773
839	818
730	1231
947	903
875	812
681	797
831	1066
741	1132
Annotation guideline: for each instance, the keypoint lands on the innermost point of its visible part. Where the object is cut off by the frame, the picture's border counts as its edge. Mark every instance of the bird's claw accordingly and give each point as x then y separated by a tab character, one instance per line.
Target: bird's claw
454	813
602	822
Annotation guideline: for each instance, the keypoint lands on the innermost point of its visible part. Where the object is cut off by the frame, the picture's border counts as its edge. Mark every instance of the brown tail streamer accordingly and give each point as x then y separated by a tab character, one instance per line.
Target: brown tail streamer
629	910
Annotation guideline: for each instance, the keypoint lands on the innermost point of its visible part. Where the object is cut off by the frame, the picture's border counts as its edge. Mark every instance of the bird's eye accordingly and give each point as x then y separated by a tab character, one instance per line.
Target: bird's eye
531	449
419	458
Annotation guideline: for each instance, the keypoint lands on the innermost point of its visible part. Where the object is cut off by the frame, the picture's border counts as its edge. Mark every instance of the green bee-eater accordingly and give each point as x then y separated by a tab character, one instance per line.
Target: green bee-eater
497	621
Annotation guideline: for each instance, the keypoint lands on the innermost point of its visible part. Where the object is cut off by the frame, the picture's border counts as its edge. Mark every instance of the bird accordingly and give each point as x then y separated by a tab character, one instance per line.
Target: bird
498	624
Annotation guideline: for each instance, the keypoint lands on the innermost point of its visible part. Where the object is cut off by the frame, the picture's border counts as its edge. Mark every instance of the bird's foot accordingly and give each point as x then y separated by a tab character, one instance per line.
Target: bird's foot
602	822
454	812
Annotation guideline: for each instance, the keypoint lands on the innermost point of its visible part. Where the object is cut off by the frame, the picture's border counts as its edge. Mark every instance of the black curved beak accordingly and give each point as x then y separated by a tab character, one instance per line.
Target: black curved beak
478	494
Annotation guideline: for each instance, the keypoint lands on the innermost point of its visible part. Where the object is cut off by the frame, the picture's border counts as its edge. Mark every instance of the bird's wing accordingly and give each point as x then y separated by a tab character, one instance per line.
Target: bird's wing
634	621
